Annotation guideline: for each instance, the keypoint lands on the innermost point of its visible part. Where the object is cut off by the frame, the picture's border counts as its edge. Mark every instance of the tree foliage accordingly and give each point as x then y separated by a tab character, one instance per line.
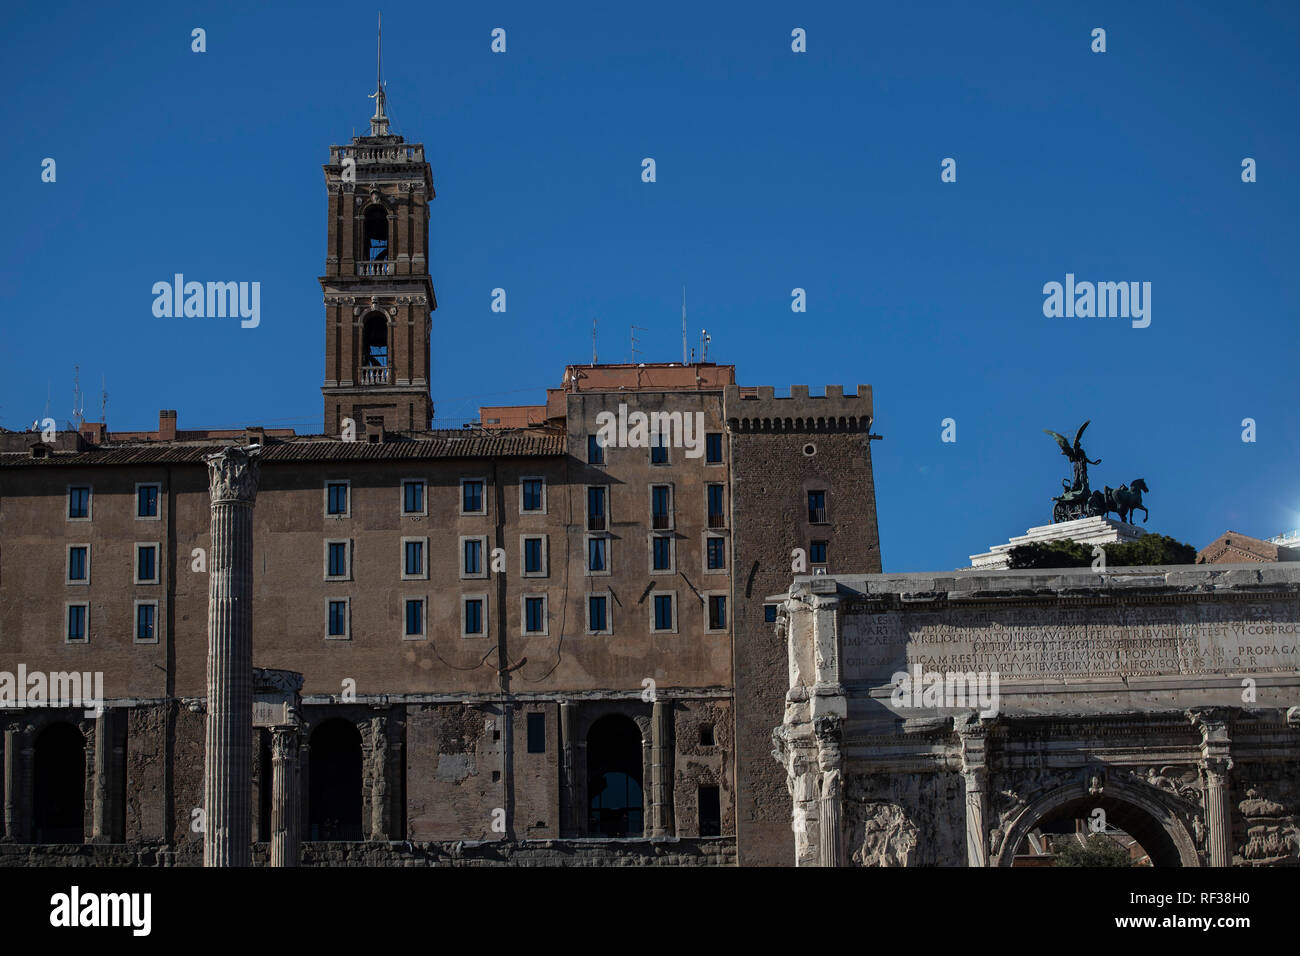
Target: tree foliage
1097	850
1150	549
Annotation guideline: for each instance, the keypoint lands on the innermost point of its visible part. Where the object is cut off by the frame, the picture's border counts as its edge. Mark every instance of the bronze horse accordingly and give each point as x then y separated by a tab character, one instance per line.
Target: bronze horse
1124	500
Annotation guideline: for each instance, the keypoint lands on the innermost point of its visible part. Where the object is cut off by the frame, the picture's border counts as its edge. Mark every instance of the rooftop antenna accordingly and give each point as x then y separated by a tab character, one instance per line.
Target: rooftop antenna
47	398
103	400
594	360
379	122
704	346
77	403
684	351
635	350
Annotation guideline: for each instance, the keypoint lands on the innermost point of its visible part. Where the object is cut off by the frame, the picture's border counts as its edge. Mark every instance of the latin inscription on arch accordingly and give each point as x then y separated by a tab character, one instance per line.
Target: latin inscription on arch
1034	642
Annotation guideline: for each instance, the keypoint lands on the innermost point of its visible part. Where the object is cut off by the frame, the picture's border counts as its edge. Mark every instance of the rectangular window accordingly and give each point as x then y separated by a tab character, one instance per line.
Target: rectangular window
595	453
716	553
596	557
817	553
413	558
816	507
336	559
146	564
338	618
473	616
336	497
415	617
79	562
717	516
472	557
77	614
659	450
663	612
662	552
537	733
471	497
146	501
413	497
533	492
79	502
769	613
717	612
596	508
597	613
661	508
145	617
533	556
713	448
535	615
710	812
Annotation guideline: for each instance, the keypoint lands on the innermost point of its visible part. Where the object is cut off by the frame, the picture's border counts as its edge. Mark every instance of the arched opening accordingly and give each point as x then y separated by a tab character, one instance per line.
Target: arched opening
1146	831
60	784
614	778
374	341
334	769
375	234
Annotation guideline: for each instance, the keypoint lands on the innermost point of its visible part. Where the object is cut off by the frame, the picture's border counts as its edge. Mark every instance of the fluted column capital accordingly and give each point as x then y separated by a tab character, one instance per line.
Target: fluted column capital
233	474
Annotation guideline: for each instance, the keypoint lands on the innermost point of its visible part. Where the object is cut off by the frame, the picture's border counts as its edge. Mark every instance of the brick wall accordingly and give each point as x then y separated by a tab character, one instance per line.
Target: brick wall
772	472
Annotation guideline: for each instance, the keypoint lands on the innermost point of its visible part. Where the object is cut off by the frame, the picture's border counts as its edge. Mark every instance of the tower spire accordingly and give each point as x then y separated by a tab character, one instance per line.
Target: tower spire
379	122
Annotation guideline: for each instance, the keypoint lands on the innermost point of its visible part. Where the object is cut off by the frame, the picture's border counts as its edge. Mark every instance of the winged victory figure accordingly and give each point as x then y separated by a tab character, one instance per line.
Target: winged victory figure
1078	458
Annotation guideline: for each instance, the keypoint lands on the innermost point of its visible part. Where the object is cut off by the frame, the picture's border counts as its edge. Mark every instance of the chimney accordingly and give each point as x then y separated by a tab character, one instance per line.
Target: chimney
167	424
93	432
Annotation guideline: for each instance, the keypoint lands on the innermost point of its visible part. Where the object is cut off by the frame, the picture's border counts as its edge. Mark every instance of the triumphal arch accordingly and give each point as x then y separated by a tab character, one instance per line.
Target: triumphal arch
972	717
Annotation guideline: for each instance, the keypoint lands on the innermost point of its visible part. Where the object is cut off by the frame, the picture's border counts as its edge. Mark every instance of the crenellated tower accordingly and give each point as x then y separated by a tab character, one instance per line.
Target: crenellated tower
378	293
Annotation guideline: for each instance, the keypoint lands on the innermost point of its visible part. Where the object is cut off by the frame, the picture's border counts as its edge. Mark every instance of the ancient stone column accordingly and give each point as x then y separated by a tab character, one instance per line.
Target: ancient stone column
109	771
830	814
1218	813
568	771
18	782
379	778
661	768
975	774
304	784
227	771
89	731
285	834
1216	762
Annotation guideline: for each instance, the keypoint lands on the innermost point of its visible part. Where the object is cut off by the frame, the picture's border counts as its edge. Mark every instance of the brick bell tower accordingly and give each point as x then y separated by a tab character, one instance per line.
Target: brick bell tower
378	293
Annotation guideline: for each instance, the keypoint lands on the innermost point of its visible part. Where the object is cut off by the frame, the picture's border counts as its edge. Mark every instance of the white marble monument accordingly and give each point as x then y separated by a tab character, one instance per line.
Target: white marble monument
1085	531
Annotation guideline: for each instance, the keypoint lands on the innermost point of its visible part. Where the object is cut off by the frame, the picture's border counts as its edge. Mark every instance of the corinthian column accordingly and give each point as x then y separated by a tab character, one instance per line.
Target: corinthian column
227	770
1216	763
830	816
284	796
974	771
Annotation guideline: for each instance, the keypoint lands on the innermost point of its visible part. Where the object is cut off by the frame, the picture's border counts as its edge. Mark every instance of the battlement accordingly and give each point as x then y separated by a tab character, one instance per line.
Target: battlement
761	410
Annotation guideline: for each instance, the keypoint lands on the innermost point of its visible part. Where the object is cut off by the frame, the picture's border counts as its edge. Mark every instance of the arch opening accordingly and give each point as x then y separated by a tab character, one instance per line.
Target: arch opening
334	792
375	234
374	341
60	784
614	785
1143	836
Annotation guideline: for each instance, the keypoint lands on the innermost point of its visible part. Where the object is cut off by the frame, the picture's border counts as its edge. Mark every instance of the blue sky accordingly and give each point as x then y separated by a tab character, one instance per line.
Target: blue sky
775	170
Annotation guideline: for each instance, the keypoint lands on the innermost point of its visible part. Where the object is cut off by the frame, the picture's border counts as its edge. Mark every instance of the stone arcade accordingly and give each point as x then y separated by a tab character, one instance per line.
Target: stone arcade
1167	697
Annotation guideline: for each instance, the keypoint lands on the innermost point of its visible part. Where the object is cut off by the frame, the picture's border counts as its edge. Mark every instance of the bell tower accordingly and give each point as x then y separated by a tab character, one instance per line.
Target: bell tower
378	293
